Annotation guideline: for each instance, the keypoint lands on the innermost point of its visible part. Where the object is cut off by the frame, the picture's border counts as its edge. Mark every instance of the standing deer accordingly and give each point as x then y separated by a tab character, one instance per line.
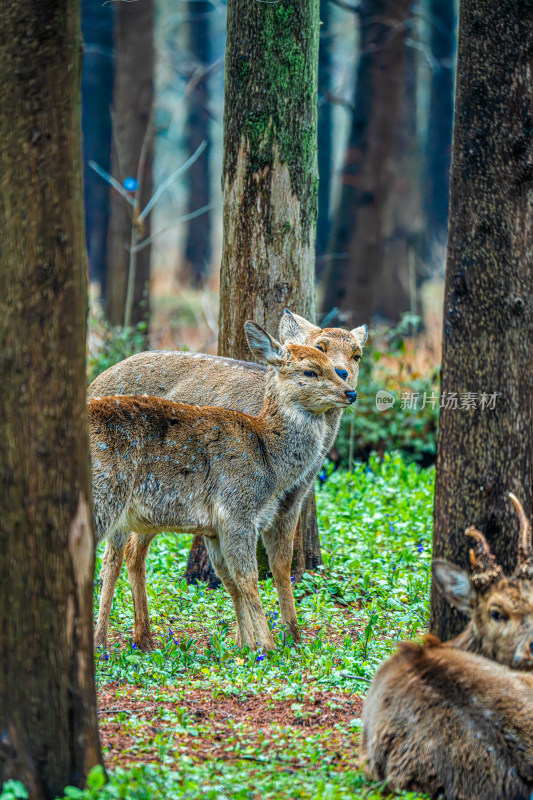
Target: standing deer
455	720
202	379
159	465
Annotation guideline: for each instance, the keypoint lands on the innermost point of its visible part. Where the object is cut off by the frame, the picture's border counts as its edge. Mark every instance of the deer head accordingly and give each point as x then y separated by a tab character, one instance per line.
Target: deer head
344	348
304	376
500	608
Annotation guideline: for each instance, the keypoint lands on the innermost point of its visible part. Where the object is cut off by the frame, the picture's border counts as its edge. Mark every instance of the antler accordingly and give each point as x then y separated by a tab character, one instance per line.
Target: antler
524	567
485	570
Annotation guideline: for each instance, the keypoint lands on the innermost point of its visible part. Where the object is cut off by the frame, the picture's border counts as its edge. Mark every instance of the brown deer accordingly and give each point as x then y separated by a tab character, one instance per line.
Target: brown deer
159	465
202	379
455	720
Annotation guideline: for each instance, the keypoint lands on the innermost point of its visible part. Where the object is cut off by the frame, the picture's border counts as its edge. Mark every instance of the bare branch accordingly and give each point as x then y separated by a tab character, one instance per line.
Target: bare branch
155	197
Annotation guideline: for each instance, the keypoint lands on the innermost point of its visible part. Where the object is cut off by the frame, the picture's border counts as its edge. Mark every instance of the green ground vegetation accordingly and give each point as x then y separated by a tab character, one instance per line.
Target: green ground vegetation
201	718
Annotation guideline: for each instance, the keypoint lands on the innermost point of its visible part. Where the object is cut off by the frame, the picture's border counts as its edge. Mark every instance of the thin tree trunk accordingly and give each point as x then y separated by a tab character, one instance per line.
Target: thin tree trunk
403	223
488	313
48	724
325	138
198	244
97	21
355	253
439	138
132	108
270	176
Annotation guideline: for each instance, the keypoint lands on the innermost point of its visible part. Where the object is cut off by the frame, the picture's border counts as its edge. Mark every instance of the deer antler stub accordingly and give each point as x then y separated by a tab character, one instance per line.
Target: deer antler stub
484	570
524	567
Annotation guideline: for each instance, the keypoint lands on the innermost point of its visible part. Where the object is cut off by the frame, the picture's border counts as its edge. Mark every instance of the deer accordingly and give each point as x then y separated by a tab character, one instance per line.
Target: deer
202	379
455	719
159	465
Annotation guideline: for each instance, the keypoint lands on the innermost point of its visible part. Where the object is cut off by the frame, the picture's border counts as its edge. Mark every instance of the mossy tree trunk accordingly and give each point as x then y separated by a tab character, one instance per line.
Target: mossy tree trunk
270	181
48	724
132	134
488	306
352	276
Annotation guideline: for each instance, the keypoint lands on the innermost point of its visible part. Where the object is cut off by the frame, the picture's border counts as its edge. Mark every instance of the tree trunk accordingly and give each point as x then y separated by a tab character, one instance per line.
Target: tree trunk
488	308
439	139
325	138
355	253
198	245
47	695
270	178
97	95
403	215
132	109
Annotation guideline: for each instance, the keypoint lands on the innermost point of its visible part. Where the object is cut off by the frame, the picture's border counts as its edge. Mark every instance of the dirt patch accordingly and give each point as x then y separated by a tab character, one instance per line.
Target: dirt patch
203	726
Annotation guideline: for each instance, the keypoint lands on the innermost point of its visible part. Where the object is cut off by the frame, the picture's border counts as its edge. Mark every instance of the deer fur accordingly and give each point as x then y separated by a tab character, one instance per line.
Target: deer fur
455	720
159	465
202	379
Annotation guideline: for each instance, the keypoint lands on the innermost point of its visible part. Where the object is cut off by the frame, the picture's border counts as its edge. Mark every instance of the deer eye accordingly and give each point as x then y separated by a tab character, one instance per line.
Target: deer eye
310	374
495	615
320	347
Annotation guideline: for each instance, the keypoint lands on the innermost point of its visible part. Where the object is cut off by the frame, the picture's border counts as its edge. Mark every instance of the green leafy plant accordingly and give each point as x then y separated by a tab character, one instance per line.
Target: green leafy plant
387	366
110	344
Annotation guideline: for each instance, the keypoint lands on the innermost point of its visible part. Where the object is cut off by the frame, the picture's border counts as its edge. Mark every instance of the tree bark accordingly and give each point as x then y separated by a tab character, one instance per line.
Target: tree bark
97	95
132	109
440	123
270	178
355	254
198	244
488	306
48	719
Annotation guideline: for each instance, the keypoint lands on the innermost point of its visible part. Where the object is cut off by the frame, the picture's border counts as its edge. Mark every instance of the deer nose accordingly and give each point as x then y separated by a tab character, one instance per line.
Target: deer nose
342	373
351	395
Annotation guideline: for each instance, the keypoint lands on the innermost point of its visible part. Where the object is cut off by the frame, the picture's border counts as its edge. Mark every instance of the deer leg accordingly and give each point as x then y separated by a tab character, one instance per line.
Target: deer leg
136	551
239	550
111	566
279	546
221	569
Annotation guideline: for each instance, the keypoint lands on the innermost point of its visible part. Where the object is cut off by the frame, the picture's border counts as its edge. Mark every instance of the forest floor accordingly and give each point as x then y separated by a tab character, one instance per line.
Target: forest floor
200	718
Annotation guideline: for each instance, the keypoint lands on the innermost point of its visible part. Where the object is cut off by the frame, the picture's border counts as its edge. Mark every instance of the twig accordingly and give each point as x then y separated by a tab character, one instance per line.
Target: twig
155	197
185	218
346	674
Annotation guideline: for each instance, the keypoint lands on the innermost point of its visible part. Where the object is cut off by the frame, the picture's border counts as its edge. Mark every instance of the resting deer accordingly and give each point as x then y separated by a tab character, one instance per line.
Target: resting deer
455	720
210	380
159	465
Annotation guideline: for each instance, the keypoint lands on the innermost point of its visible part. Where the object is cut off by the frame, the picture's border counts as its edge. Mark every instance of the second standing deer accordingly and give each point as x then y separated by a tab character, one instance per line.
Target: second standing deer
159	466
209	380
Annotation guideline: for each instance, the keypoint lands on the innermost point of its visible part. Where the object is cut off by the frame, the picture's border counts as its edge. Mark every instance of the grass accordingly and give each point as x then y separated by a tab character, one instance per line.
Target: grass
200	718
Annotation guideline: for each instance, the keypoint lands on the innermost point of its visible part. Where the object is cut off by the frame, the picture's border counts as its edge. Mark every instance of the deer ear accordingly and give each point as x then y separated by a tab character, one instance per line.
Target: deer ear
294	329
263	346
360	334
454	584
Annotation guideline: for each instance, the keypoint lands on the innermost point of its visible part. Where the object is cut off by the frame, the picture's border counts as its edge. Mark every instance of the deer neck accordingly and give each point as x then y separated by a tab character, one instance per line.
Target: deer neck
469	641
294	436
